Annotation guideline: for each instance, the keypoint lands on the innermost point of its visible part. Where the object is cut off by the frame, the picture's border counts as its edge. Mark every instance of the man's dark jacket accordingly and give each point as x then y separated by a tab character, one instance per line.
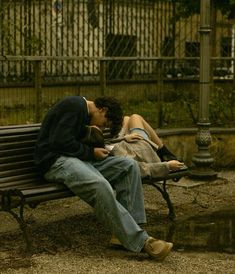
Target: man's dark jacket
61	130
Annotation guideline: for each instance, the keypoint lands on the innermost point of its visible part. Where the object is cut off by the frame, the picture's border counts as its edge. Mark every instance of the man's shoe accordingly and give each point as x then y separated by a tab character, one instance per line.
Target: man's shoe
157	249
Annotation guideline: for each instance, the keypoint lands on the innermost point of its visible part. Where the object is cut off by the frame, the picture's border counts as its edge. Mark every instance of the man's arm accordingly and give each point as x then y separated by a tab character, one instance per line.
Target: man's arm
64	138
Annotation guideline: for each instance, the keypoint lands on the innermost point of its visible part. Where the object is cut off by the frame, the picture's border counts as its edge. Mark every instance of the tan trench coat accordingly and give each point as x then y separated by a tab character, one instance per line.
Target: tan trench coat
144	152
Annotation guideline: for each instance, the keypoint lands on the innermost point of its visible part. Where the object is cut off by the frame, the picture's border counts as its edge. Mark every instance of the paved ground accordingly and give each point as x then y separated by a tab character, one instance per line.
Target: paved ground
68	239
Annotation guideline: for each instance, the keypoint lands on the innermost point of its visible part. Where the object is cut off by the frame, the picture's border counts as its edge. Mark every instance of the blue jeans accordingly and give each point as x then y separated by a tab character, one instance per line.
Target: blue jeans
95	182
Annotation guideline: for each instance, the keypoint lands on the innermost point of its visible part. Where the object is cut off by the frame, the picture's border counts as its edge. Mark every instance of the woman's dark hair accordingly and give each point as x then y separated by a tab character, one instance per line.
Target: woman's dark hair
93	137
114	112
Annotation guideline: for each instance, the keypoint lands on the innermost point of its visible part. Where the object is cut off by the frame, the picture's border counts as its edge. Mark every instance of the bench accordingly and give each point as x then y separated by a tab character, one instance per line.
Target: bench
20	185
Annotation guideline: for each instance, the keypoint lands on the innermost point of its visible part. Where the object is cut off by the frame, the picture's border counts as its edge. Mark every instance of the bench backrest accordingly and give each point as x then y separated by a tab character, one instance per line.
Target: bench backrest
17	155
17	167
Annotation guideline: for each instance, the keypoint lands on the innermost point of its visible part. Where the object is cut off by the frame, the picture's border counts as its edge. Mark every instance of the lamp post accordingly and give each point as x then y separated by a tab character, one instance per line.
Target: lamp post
202	159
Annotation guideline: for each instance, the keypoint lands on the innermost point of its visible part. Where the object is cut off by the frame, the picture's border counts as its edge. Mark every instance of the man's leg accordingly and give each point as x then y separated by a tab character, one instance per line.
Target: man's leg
91	186
124	176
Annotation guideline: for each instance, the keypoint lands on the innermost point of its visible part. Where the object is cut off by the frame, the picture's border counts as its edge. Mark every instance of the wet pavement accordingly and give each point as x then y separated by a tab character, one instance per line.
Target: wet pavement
214	232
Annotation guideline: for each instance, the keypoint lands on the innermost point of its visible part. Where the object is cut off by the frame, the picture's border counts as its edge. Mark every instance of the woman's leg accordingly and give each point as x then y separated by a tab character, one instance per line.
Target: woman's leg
137	121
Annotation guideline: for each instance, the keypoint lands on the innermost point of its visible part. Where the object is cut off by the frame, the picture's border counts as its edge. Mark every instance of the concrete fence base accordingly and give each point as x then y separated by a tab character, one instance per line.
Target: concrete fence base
181	141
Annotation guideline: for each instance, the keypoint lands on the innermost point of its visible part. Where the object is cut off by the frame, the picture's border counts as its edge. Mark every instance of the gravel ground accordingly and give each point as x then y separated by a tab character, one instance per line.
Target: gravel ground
68	239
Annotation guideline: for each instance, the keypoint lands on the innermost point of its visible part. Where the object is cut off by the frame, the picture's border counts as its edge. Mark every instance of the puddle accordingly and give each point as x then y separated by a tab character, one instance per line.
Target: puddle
215	232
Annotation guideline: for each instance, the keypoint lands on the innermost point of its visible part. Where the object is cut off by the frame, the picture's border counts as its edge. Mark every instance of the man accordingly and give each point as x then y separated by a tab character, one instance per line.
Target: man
92	174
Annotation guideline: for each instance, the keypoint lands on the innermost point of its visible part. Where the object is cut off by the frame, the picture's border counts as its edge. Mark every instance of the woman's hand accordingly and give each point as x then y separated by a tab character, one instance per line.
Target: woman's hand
100	153
133	137
174	165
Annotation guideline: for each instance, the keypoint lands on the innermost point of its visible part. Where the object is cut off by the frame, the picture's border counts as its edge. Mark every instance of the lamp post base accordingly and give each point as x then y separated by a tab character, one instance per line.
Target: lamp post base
202	173
203	160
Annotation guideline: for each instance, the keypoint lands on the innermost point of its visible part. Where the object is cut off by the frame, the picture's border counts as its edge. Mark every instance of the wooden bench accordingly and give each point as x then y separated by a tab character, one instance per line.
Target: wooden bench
20	184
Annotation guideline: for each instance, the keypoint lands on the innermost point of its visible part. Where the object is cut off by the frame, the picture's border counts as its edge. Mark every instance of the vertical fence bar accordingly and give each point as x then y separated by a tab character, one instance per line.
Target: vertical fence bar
1	31
102	76
159	92
38	89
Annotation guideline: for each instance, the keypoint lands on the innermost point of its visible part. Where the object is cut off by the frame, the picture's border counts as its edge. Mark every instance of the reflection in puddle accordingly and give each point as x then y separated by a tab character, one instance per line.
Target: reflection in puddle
215	232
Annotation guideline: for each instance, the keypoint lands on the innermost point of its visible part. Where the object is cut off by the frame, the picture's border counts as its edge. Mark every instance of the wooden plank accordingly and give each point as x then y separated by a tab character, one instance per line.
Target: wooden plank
12	130
22	184
32	200
17	151
13	180
14	145
18	137
16	158
17	165
14	172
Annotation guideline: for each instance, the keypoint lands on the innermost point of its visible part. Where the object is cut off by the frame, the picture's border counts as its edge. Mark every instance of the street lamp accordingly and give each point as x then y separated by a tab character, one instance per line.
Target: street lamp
203	159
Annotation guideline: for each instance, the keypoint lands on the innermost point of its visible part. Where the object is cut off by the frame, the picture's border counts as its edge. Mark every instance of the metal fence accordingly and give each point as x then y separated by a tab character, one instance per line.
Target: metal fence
52	48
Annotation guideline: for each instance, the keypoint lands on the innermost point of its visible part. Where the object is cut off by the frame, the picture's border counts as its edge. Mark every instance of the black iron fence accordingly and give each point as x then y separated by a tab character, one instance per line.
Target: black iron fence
144	52
99	28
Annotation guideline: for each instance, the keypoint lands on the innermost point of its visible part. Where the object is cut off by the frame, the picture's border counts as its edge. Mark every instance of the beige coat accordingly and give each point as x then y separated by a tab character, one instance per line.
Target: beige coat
144	152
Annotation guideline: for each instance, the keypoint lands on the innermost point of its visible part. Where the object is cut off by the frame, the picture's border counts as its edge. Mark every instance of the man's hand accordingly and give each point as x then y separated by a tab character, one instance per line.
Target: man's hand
100	153
133	137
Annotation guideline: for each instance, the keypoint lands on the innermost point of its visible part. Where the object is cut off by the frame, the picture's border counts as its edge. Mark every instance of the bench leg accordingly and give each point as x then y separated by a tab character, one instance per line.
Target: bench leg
23	226
6	202
166	197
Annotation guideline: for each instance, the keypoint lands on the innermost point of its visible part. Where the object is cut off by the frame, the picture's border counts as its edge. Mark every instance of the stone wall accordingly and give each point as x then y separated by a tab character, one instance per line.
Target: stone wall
182	143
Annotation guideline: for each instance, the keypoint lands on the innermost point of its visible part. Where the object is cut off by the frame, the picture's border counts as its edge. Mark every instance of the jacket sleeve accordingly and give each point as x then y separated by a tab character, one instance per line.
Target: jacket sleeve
64	138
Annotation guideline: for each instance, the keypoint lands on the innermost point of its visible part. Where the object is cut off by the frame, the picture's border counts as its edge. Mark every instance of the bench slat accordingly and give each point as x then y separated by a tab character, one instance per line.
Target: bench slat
14	145
21	129
38	190
49	196
15	172
17	165
24	176
18	137
21	184
35	187
18	151
16	158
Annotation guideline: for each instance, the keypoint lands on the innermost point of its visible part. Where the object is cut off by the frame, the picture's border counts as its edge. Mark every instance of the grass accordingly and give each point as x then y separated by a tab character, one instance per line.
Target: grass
181	111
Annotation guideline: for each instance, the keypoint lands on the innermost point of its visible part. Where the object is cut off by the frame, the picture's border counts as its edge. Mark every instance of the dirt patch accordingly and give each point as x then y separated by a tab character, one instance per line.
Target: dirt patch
68	239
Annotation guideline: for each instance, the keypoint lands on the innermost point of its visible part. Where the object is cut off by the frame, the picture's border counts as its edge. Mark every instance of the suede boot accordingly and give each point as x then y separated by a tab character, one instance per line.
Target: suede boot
157	249
165	155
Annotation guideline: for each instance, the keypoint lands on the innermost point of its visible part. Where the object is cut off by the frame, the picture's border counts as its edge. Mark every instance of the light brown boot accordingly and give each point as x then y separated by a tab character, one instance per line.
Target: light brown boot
157	249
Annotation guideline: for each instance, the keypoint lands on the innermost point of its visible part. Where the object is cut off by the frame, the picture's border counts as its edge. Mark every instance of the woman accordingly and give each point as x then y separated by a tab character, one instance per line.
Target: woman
138	140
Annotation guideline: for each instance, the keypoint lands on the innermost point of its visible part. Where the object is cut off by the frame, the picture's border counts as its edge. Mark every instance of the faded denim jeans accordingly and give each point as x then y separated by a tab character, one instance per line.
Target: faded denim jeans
94	182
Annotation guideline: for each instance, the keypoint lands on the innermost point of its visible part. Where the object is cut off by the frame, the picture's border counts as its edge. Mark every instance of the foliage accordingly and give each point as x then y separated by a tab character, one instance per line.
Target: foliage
9	28
186	8
180	112
222	106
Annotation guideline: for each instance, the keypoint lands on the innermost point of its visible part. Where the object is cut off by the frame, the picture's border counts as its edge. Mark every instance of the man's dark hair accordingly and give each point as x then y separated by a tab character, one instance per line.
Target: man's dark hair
114	112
